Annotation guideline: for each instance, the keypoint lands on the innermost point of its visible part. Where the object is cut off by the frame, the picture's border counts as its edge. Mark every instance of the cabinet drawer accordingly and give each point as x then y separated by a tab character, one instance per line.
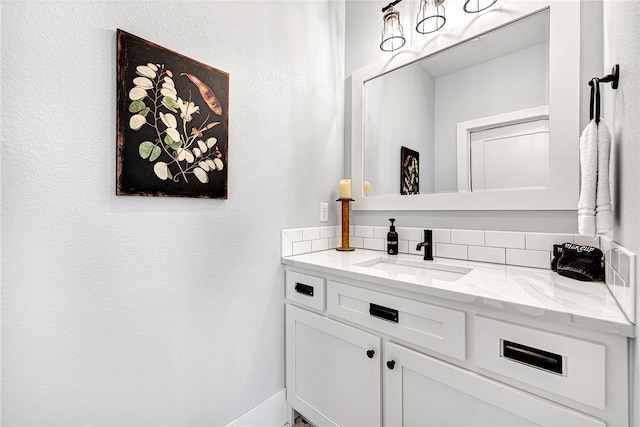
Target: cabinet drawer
562	365
305	289
428	326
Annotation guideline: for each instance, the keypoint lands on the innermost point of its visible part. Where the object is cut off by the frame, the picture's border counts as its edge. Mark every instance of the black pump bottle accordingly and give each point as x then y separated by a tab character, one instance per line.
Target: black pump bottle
392	239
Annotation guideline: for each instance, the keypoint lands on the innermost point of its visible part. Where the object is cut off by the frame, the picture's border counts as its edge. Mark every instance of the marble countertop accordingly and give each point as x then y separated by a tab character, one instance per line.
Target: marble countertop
531	291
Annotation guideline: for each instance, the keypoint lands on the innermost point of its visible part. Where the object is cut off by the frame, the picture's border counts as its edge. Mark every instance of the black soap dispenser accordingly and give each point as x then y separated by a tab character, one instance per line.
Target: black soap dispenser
392	239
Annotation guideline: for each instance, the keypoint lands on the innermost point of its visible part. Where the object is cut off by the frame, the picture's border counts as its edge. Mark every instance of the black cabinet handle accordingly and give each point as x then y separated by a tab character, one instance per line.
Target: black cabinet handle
391	364
370	354
301	288
382	312
532	356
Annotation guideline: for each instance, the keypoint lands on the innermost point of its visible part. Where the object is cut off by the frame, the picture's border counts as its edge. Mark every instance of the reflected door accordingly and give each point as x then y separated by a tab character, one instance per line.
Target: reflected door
510	157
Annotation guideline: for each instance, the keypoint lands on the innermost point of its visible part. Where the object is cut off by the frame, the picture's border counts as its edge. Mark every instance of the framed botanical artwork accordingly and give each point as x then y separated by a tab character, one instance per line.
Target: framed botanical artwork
172	123
409	171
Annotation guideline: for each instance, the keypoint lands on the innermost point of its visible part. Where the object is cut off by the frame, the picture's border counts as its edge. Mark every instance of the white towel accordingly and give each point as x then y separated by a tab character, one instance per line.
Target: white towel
604	213
588	179
594	207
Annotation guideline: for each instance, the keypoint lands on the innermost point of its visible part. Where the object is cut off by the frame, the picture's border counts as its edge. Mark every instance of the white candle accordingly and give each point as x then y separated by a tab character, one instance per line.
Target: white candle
345	188
367	188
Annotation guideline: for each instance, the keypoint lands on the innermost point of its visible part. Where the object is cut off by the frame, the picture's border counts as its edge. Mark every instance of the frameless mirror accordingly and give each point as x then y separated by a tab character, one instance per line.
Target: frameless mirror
470	123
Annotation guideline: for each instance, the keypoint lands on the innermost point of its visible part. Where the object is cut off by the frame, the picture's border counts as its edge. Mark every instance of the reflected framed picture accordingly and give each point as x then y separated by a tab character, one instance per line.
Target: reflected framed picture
172	123
409	171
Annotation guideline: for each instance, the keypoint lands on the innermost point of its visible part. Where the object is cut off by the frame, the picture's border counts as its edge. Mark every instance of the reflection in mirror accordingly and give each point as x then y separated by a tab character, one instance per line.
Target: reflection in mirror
476	114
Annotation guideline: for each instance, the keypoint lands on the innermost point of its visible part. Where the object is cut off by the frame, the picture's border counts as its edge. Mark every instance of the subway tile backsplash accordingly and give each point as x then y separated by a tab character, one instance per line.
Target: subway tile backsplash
497	247
620	274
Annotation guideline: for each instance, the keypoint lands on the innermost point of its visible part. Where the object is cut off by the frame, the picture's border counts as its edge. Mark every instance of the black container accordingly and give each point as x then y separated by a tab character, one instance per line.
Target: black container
392	239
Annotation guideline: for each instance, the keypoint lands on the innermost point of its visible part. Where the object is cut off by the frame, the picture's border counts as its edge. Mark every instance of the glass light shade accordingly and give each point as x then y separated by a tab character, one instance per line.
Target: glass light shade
392	34
431	16
475	6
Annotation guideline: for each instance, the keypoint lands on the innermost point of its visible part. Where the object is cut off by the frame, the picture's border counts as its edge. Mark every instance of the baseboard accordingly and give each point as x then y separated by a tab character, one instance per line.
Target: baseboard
273	412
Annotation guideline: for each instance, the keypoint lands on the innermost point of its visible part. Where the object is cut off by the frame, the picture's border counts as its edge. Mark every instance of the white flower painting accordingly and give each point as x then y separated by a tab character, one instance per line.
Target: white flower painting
172	123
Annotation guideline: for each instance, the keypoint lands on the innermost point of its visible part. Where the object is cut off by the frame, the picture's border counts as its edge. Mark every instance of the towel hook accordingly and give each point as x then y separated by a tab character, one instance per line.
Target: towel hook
594	102
614	77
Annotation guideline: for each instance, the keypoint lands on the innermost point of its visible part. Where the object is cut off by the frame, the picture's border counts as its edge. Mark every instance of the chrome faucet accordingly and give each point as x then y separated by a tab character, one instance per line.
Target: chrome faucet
427	245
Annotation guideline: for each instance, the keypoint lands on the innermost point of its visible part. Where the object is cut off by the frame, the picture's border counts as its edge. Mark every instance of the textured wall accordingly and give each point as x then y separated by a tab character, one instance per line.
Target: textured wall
622	113
156	311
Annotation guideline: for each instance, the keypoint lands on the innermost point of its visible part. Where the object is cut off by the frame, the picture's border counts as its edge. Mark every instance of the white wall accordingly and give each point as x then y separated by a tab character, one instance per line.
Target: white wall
156	311
622	113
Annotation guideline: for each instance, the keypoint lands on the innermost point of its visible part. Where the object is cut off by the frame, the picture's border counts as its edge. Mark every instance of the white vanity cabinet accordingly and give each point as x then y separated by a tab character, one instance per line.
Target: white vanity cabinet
366	355
423	391
333	371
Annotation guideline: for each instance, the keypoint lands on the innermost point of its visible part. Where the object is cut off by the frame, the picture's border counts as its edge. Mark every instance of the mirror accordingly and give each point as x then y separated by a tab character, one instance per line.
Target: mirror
422	104
467	122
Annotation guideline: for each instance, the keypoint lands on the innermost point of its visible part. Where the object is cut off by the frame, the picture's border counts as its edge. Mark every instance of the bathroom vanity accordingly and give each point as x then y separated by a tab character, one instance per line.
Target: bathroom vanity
373	340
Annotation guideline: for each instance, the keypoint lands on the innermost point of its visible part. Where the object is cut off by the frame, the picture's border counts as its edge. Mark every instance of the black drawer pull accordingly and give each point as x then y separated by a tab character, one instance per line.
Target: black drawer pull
532	356
383	312
301	288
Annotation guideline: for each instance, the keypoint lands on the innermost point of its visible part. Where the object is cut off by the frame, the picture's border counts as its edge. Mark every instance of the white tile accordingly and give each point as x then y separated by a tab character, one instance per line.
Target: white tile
380	232
310	233
467	237
527	258
619	290
441	235
609	275
581	240
286	245
545	241
486	254
406	233
446	250
613	257
294	234
326	232
363	231
356	242
605	245
301	247
403	246
319	245
374	244
335	242
504	239
624	266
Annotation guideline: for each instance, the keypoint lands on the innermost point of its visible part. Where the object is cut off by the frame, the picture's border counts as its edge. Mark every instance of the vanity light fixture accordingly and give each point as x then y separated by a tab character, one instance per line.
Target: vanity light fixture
431	16
475	6
392	33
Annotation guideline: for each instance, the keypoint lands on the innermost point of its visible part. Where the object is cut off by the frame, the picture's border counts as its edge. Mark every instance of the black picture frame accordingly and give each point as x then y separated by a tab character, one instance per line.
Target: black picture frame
409	171
172	123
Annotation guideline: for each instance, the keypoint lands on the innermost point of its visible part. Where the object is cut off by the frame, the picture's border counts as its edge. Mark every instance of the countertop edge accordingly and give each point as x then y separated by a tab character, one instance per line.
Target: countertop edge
616	328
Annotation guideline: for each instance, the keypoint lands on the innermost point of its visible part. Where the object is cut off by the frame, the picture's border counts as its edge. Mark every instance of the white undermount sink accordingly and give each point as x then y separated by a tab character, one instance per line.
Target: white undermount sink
419	268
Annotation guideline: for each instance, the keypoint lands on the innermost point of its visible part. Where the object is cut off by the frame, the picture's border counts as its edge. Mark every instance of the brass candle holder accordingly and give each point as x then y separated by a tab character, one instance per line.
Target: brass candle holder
345	225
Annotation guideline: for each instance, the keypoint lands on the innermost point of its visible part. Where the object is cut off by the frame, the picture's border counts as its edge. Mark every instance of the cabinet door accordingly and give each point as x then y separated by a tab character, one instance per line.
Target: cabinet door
333	371
423	391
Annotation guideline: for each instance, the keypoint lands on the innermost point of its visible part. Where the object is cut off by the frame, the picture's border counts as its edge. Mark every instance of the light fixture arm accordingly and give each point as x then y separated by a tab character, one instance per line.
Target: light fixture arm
384	9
